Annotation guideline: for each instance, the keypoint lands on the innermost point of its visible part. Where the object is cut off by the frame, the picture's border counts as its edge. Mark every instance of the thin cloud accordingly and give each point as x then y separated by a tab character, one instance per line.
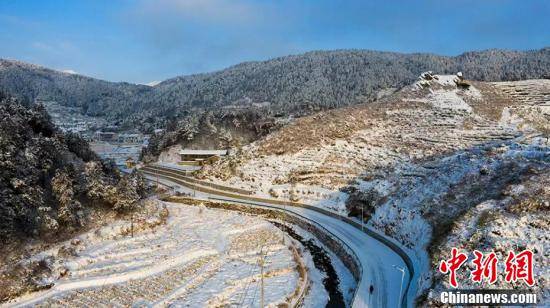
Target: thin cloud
200	11
19	22
42	46
62	48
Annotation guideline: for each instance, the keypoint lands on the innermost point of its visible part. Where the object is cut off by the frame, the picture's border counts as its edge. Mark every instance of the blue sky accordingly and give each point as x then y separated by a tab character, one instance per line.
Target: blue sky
146	40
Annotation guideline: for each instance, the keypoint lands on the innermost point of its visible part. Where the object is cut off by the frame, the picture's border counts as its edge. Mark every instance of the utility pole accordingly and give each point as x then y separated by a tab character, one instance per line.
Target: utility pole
284	220
362	216
262	263
402	270
262	281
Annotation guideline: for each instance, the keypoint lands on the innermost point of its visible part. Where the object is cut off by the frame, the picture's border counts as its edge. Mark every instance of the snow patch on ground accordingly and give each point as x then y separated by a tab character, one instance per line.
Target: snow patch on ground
445	99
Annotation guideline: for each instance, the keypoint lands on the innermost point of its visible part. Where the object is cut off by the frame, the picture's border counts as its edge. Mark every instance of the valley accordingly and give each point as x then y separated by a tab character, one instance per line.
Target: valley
330	179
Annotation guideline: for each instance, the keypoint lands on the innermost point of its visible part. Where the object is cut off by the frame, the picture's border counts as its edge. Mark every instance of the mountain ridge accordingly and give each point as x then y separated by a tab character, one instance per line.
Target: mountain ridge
292	85
244	63
463	54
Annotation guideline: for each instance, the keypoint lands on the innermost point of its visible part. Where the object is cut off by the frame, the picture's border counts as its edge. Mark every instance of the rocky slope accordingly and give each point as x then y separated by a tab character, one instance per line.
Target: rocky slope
412	163
213	129
515	220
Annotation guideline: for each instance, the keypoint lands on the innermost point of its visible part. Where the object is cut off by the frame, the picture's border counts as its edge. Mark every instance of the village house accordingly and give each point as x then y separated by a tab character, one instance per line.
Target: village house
200	157
130	163
105	136
130	138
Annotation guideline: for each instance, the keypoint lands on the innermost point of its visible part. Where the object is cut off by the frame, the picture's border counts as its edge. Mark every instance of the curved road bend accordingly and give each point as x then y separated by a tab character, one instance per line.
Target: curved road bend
378	262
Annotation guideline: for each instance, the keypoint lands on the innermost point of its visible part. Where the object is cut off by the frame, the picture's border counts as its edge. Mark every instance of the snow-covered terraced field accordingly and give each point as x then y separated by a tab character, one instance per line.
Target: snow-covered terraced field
317	155
201	257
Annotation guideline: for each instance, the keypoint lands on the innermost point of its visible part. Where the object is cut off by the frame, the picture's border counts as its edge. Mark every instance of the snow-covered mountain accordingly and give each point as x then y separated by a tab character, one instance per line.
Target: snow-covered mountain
418	165
297	84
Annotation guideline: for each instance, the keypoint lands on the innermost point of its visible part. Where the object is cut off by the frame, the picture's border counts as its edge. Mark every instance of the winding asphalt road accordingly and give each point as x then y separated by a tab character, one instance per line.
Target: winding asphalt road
380	263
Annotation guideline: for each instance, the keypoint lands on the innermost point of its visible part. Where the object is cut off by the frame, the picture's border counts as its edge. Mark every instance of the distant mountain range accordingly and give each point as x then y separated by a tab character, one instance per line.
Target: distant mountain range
294	84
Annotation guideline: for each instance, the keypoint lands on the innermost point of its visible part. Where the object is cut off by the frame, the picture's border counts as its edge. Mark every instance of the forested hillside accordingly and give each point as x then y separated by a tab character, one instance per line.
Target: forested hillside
51	182
324	79
95	97
288	85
